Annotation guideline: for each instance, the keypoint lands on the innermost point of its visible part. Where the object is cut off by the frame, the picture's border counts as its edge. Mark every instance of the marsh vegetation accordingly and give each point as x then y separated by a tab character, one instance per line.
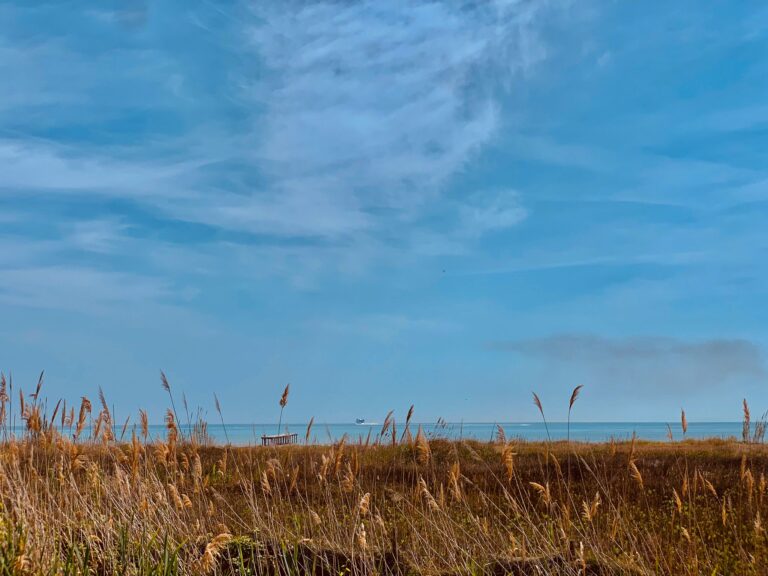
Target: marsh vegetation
82	495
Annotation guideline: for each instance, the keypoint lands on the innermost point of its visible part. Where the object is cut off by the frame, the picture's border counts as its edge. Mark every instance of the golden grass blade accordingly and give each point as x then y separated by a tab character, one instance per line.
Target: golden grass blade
284	397
309	429
575	395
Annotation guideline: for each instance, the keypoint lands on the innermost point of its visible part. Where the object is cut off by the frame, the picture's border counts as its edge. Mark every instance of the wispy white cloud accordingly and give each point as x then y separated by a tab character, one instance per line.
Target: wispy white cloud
39	165
492	211
376	106
356	117
647	363
364	110
101	236
78	288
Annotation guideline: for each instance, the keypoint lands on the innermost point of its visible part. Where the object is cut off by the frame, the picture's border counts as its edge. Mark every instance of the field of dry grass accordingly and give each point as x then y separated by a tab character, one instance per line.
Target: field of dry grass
76	500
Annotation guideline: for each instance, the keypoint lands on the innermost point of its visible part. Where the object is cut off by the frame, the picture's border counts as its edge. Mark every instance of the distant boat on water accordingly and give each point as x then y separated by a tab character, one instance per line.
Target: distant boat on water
364	422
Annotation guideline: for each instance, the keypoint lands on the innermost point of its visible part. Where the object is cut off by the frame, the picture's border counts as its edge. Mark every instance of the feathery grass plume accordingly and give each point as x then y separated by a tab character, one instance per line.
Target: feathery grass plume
175	496
309	430
39	385
294	479
160	451
217	404
170	425
386	424
135	454
348	479
746	427
355	459
501	437
407	430
574	396
407	437
758	435
186	412
283	402
197	470
64	414
723	514
582	558
97	426
749	483
670	437
538	405
508	460
3	399
167	387
85	410
274	468
427	497
543	490
164	382
635	473
364	504
683	422
21	564
743	465
108	433
266	487
394	431
423	451
589	509
144	422
55	412
454	478
33	420
103	401
207	563
325	466
362	541
339	454
409	416
222	463
551	456
678	501
709	486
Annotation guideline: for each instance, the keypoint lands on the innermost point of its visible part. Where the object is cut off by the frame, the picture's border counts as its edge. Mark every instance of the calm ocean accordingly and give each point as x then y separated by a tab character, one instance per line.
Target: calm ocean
245	434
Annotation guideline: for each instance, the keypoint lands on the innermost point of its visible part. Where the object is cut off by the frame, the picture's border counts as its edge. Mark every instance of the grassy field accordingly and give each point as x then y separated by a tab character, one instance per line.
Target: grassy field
75	500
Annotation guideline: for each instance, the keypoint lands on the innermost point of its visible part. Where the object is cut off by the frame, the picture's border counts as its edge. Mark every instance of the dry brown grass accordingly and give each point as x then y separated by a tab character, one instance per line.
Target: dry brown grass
77	500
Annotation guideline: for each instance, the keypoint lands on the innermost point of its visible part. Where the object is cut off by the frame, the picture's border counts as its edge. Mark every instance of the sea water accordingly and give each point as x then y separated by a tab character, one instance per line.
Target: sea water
248	434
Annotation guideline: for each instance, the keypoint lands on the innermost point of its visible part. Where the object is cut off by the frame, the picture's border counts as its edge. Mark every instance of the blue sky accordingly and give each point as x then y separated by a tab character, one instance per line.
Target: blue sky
442	203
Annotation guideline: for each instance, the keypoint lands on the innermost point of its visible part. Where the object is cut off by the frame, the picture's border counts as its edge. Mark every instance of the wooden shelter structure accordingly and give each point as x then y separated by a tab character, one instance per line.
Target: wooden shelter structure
279	439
